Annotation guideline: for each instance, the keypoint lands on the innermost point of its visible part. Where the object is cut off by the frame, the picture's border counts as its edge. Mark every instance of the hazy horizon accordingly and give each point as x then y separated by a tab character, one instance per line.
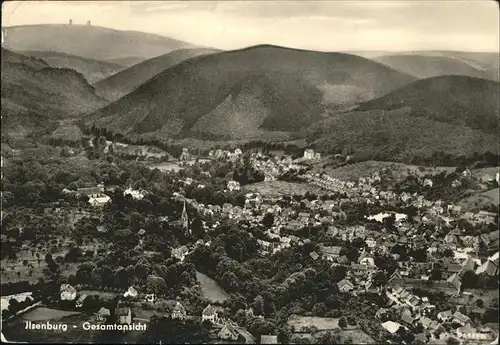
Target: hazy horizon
370	25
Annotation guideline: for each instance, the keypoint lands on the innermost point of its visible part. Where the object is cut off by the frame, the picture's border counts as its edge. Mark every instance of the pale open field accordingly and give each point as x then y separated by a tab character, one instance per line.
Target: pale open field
44	314
480	201
275	189
210	289
321	323
357	336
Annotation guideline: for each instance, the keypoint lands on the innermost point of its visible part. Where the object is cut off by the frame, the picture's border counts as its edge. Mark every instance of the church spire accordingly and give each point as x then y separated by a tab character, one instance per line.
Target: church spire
184	218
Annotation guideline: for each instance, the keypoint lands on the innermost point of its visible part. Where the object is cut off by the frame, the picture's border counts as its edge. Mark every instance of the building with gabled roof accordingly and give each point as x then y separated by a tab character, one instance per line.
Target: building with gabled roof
123	315
488	268
68	292
345	286
228	332
131	292
179	312
461	319
210	314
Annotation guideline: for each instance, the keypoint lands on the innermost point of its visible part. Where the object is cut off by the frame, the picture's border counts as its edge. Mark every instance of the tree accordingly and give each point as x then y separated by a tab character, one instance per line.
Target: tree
342	322
469	280
268	220
452	341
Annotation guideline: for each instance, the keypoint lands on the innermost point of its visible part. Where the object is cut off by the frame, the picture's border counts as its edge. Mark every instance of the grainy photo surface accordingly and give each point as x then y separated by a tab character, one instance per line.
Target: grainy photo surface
259	172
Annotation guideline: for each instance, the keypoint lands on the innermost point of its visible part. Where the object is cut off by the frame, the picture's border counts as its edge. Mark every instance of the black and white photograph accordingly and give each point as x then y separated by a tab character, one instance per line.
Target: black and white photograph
250	172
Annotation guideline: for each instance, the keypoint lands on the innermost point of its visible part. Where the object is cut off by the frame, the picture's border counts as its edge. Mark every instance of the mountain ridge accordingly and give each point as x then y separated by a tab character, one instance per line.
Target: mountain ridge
92	42
291	79
454	115
117	85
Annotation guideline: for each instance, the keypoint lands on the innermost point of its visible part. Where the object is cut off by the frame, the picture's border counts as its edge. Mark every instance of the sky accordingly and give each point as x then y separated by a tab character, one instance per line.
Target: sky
369	25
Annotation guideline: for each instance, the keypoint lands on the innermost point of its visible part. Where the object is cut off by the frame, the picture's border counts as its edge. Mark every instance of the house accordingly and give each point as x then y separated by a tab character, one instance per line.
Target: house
131	292
269	339
331	252
309	154
99	201
68	293
179	312
314	255
445	316
345	285
210	314
80	300
150	298
455	280
103	314
141	232
366	260
123	315
180	252
488	268
454	209
233	186
92	191
391	327
184	155
425	322
460	318
381	313
228	332
427	182
135	194
406	317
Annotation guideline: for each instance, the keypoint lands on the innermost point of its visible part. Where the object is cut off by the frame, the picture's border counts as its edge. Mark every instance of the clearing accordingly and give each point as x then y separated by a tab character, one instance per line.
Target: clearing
210	289
357	336
276	189
44	314
321	323
480	201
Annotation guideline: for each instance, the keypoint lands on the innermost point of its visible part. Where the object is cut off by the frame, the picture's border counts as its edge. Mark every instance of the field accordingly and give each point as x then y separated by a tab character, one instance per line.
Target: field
357	336
321	323
480	201
210	289
44	314
15	270
274	189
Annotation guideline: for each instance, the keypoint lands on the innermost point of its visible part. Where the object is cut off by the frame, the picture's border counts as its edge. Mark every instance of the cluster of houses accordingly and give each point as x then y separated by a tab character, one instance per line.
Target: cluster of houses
411	312
96	195
275	166
231	155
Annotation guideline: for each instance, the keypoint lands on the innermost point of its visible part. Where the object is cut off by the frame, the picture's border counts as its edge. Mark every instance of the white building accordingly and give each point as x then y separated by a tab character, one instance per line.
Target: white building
136	194
68	293
309	154
210	314
233	186
131	292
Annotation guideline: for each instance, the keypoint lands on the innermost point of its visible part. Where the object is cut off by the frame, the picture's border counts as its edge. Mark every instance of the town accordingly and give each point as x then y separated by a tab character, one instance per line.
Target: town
245	245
